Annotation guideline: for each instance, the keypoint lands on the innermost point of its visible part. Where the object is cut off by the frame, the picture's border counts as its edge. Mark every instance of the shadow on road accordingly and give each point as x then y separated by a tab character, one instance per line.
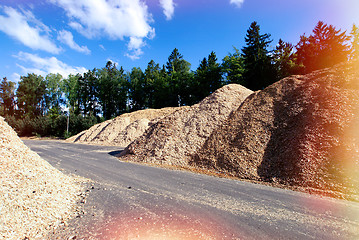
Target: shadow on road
115	153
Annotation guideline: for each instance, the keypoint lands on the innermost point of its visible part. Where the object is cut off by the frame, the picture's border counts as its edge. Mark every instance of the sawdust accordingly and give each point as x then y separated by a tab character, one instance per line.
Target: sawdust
121	130
174	138
34	197
301	131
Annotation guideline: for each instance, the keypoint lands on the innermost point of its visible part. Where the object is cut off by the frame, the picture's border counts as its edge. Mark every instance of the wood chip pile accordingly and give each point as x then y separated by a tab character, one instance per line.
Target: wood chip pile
34	196
301	131
174	138
121	130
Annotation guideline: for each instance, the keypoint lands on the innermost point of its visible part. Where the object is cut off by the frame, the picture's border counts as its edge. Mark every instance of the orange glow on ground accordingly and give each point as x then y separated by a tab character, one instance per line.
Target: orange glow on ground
149	225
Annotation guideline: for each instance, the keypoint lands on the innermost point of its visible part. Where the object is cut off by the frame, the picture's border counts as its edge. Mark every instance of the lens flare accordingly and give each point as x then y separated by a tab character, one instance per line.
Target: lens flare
158	225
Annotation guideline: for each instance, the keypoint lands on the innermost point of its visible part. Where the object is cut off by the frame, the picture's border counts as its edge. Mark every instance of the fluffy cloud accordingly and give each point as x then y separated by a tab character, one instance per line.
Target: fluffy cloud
135	47
44	66
67	38
24	27
168	8
238	3
115	19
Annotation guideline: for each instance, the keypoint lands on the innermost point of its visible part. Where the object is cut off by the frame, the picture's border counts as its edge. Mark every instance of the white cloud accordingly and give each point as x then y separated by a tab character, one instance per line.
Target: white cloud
67	38
135	47
238	3
168	8
115	19
44	66
24	27
102	47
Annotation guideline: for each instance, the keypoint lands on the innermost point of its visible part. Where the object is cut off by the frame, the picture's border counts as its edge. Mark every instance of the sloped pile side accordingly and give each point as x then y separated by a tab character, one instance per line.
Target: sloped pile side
34	196
121	130
301	131
173	139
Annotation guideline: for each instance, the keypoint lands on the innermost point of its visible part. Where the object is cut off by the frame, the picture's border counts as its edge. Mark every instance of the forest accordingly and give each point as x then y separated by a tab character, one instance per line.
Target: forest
62	106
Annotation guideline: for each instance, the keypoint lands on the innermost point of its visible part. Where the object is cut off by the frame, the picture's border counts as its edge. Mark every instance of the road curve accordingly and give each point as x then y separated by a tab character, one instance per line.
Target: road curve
131	201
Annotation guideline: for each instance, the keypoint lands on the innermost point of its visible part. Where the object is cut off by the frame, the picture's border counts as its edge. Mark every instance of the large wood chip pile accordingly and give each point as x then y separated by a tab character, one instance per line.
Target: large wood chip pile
301	131
34	196
174	138
121	130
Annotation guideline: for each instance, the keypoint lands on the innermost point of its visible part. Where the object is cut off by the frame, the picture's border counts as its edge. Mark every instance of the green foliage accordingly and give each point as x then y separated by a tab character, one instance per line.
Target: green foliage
208	77
71	90
138	87
258	69
285	60
43	104
232	67
31	95
324	48
179	79
7	97
53	96
153	85
88	91
112	90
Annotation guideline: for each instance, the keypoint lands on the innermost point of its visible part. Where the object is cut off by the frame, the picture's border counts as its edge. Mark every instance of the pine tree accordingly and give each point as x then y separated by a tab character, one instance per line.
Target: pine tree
7	97
137	92
284	60
324	48
232	68
258	69
31	95
208	77
179	80
355	43
88	93
111	87
214	73
152	81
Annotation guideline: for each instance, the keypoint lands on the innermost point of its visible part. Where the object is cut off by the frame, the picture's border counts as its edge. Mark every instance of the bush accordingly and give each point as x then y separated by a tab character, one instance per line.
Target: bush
51	126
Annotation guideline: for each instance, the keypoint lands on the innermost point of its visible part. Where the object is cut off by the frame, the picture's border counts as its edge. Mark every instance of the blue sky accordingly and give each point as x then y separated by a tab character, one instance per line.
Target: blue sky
70	36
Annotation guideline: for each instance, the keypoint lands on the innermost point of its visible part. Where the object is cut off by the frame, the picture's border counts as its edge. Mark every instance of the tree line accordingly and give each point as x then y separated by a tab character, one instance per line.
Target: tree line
46	106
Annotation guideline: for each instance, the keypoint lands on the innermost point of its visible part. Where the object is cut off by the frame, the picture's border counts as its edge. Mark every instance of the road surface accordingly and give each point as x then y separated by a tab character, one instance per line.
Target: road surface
132	201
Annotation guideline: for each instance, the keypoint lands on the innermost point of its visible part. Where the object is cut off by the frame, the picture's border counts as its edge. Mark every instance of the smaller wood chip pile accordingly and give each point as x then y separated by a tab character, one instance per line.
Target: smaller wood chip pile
174	138
34	196
121	130
301	131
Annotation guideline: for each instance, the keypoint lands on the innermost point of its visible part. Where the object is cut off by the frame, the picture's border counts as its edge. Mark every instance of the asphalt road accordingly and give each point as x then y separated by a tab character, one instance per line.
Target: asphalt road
131	201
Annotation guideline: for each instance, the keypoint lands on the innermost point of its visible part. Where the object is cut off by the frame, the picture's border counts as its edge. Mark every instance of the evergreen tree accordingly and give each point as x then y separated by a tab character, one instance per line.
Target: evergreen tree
258	69
355	43
88	92
179	80
324	48
31	95
208	77
162	92
232	68
112	90
284	60
214	73
152	79
7	97
137	94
